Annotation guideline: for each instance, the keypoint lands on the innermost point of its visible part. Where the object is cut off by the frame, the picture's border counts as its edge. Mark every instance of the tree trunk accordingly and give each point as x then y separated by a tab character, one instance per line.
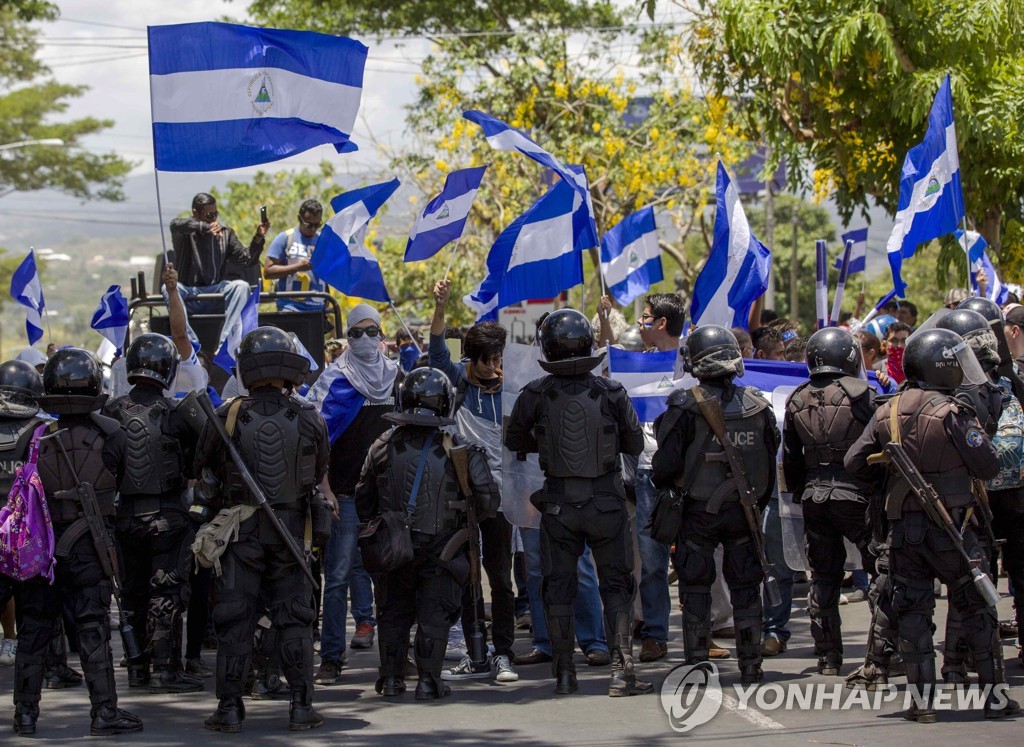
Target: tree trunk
991	226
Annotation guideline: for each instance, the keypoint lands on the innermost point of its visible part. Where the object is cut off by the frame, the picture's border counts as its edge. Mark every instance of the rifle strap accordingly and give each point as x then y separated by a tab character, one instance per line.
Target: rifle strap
716	423
232	420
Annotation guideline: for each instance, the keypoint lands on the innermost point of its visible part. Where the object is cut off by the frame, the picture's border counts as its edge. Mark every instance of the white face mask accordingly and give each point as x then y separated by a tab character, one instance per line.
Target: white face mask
365	348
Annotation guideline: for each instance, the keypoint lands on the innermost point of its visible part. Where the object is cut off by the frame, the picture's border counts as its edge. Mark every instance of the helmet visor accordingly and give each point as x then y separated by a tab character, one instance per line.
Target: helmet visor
973	373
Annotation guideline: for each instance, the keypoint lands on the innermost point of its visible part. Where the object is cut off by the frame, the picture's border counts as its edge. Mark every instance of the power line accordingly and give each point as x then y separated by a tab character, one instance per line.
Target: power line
104	59
154	224
100	23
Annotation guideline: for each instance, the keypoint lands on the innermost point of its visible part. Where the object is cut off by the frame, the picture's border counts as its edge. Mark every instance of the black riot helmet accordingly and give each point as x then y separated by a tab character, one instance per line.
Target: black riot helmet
566	334
833	351
977	331
72	382
426	391
268	355
712	352
20	385
940	359
152	357
987	308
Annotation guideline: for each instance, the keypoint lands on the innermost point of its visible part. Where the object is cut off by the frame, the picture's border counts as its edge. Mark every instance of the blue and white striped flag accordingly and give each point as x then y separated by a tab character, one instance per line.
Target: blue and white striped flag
226	96
631	257
538	256
341	258
247	321
736	273
444	218
649	378
111	317
974	245
859	254
27	289
931	200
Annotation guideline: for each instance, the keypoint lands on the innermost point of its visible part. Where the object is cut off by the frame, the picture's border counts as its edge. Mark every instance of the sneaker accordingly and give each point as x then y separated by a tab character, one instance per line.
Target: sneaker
772	646
363	637
843	599
467	670
8	651
857	595
328	673
504	671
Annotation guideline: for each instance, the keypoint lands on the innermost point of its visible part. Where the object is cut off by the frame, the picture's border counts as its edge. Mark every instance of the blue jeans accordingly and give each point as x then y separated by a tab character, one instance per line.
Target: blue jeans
654	593
343	570
587	607
776	619
236	293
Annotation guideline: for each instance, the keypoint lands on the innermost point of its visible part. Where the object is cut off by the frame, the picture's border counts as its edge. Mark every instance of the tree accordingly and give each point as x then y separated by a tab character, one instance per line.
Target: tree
643	139
843	91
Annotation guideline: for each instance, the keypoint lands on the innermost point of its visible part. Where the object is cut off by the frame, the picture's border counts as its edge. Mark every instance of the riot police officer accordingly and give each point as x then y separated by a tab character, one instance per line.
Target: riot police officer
409	470
579	425
94	444
689	459
948	446
283	442
824	417
153	527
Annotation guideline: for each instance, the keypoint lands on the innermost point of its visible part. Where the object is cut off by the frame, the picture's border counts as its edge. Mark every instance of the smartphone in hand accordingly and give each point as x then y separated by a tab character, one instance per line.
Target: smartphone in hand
263	214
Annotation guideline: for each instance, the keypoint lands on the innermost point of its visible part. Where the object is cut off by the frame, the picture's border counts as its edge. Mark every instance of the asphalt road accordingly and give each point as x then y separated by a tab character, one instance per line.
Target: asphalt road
527	712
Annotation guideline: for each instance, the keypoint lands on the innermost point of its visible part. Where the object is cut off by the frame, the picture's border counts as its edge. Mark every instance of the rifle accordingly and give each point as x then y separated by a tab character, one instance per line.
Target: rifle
935	509
981	494
254	487
474	638
711	411
102	541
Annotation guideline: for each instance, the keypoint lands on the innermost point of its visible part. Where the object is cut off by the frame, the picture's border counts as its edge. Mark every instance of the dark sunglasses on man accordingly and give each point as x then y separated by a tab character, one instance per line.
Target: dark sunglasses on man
356	332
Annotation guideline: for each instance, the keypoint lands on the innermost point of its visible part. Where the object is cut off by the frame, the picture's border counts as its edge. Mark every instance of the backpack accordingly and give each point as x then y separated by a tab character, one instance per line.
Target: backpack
26	533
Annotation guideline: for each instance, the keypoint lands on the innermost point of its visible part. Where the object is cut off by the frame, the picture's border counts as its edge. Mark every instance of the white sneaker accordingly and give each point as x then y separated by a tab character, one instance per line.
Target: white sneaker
466	670
843	599
8	651
504	670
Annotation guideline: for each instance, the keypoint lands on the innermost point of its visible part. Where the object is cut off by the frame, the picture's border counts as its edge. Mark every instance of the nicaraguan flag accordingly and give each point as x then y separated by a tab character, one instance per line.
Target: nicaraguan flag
631	257
859	255
248	320
27	290
974	244
539	255
226	96
341	258
931	200
444	217
503	136
648	378
736	273
111	317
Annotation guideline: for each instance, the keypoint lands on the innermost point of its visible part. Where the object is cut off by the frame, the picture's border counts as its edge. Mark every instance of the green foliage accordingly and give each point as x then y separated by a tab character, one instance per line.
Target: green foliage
844	89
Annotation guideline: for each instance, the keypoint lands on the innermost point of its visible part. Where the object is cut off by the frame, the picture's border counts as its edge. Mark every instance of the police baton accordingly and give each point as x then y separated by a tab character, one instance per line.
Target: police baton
254	487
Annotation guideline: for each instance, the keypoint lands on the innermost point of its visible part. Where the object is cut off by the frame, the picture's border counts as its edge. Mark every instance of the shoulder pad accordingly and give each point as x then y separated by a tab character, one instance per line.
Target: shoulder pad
106	425
609	385
753	400
539	385
680	398
854	388
795	401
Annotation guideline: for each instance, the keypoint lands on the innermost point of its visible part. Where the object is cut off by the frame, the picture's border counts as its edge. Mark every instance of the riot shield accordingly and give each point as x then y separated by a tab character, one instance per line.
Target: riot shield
520	480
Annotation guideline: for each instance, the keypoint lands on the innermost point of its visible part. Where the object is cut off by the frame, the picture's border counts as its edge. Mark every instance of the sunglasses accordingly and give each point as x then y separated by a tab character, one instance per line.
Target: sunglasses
357	332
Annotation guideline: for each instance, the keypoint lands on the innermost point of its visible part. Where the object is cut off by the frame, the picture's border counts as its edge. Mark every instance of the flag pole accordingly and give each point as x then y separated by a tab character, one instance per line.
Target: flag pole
967	258
408	331
46	317
451	259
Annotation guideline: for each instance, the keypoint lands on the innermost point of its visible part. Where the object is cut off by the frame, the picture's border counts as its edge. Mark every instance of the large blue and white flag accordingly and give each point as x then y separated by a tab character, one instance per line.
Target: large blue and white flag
27	290
341	257
648	378
974	245
859	254
336	399
503	136
931	200
631	257
736	273
225	96
538	256
247	321
444	218
111	317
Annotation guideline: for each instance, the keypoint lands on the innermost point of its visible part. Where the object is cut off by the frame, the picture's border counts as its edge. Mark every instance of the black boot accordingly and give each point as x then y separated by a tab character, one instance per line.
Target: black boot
623	681
301	714
138	672
228	717
921	675
25	717
393	653
561	633
696	626
998	703
565	675
429	661
830	663
28	686
58	674
108	720
167	676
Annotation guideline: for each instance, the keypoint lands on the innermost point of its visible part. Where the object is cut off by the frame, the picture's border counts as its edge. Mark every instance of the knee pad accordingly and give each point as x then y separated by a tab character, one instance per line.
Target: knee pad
230	610
695	564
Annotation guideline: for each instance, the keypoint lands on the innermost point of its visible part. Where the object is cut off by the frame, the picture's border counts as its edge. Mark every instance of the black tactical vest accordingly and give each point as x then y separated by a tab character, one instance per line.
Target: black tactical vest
152	458
705	466
281	459
824	419
84	444
15	435
576	437
438	484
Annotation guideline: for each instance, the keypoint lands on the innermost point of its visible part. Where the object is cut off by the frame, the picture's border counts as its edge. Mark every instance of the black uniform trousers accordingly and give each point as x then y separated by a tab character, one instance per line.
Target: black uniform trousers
496	559
921	551
1008	512
826	524
260	561
157	560
79	581
695	565
566	529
